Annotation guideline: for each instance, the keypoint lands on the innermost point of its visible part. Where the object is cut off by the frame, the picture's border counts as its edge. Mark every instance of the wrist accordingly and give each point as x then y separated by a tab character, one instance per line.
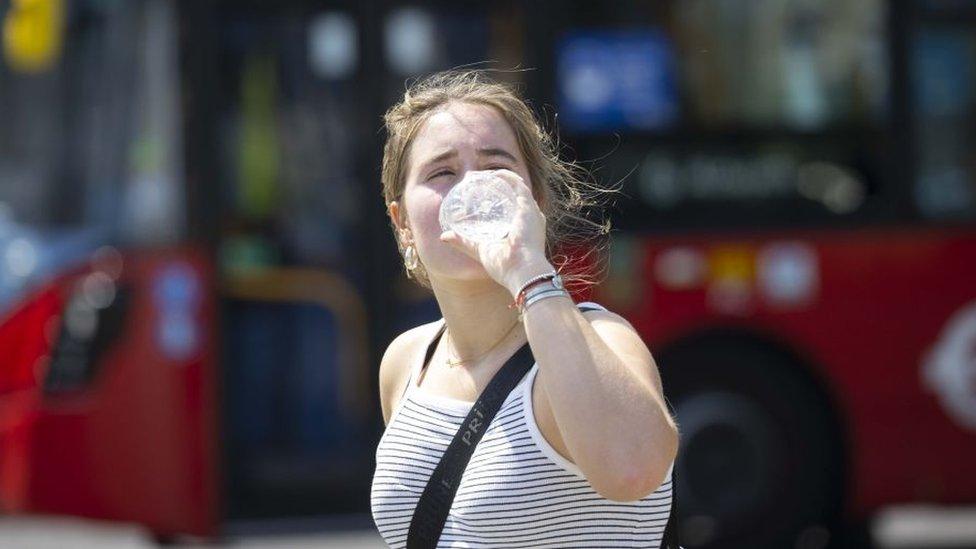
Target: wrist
551	288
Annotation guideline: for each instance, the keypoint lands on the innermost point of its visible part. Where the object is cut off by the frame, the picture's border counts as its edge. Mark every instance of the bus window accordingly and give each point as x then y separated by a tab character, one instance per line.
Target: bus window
944	89
89	144
445	36
733	114
287	153
802	65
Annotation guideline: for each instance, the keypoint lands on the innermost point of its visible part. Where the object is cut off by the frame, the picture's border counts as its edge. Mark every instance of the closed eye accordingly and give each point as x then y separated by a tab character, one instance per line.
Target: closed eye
440	173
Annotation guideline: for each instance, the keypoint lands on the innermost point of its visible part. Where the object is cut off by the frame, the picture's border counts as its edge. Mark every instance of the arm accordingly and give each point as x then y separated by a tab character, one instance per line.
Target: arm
605	394
601	382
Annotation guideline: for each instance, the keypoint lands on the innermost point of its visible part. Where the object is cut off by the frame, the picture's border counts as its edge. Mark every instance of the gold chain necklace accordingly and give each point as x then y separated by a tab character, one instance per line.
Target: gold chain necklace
460	361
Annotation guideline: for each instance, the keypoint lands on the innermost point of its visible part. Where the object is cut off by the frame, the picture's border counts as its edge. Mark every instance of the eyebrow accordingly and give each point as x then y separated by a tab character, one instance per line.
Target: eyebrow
490	151
497	152
443	156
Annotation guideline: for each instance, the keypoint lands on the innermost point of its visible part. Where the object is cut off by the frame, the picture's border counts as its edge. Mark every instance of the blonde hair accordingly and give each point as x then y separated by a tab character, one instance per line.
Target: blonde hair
565	195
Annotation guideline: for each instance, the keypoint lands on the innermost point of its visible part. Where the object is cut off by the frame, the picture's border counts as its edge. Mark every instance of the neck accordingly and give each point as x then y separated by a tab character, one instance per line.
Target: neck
476	313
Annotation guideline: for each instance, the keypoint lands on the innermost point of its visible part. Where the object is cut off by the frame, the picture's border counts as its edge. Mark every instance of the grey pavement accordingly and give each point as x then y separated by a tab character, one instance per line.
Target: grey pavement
921	526
909	527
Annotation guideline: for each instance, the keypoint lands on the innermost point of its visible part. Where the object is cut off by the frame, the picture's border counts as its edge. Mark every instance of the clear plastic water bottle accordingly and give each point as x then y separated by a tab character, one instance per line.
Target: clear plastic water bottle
480	207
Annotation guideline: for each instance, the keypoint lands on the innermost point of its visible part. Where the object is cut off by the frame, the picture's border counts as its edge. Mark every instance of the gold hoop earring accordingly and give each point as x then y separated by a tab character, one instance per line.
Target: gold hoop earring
410	258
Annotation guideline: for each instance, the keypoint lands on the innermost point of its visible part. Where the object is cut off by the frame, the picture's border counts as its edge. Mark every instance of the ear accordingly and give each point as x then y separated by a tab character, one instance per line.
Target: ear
403	231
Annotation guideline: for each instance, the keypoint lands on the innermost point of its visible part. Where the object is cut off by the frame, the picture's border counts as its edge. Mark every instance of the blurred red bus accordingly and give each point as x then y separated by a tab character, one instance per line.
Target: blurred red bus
797	246
198	278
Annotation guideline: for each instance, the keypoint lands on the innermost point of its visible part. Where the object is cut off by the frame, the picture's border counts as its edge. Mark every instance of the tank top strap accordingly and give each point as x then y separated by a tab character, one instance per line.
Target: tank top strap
590	306
419	365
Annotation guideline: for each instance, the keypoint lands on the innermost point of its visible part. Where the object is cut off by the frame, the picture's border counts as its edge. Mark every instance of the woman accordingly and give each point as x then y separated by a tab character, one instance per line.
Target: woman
581	452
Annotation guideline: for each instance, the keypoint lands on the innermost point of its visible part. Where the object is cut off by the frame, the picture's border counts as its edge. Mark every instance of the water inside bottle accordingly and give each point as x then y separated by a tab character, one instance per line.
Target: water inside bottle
481	207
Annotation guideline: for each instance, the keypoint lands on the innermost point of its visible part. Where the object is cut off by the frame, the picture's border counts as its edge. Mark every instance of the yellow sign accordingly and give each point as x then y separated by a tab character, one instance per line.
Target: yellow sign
32	34
732	263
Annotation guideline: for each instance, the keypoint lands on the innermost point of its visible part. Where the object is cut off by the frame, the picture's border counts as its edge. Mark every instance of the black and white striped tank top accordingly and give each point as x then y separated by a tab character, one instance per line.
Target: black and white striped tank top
517	491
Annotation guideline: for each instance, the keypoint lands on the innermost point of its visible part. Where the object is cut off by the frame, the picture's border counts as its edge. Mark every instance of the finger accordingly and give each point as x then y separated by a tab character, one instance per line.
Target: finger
450	237
458	241
471	245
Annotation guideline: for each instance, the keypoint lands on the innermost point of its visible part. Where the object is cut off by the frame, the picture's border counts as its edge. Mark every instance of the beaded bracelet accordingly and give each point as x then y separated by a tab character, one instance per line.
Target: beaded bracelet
520	296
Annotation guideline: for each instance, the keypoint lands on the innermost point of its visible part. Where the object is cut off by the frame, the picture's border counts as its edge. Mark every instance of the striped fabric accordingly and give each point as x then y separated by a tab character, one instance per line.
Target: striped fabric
517	491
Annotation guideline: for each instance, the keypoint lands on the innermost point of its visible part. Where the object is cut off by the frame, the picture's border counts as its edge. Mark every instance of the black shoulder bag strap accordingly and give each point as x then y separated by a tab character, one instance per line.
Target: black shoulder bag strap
435	502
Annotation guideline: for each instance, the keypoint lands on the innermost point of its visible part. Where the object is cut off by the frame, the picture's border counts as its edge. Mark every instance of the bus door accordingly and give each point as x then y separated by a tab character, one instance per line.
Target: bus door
282	122
312	286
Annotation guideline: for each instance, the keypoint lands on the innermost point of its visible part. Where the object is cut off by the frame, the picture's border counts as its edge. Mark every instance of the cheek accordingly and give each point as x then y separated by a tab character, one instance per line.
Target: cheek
423	209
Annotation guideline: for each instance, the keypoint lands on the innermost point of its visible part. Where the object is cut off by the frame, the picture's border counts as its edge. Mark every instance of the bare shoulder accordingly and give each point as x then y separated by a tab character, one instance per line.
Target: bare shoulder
617	332
605	315
603	320
398	358
624	340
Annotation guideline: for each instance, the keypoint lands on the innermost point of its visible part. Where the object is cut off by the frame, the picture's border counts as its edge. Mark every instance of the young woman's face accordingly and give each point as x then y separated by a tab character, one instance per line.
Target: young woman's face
459	138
